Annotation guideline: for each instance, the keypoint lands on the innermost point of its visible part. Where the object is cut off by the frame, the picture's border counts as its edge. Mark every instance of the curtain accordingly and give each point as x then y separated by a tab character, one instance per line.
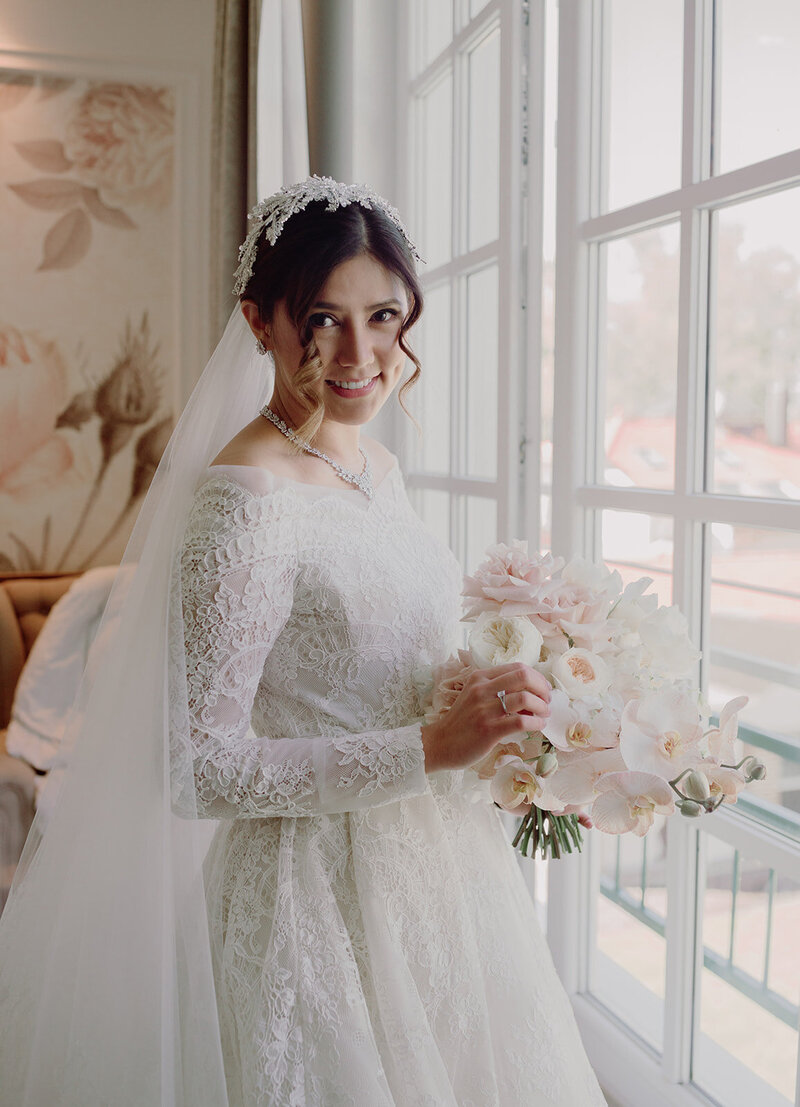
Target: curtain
259	130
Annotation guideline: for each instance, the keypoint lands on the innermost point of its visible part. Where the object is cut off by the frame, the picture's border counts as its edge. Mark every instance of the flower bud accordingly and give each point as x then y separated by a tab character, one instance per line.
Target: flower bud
547	764
757	771
696	786
688	807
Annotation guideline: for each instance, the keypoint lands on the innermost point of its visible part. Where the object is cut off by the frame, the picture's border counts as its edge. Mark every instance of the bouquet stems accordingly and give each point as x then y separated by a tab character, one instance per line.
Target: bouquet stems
550	834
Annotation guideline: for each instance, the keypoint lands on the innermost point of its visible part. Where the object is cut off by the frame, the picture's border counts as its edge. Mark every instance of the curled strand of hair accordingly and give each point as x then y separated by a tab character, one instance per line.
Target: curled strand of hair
307	381
417	369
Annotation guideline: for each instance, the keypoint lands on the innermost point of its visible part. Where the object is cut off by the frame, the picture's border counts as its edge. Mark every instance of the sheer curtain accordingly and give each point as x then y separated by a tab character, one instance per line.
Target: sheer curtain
260	132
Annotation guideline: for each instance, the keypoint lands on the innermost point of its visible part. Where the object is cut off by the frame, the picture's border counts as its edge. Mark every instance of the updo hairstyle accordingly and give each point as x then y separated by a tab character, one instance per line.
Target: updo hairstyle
311	245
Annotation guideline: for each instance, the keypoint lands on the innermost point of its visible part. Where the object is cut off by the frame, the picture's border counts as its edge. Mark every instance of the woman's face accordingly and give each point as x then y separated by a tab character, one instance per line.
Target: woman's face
355	323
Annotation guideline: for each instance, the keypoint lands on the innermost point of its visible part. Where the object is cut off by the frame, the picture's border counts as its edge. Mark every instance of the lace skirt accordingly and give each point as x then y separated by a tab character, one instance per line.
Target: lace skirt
387	958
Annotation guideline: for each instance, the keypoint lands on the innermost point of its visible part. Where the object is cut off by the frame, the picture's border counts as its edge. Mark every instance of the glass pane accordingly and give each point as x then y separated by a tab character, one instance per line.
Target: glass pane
629	962
433	507
435	113
484	142
476	6
755	648
747	1027
756	348
481	529
481	382
429	399
434	28
638	354
643	89
759	80
639	546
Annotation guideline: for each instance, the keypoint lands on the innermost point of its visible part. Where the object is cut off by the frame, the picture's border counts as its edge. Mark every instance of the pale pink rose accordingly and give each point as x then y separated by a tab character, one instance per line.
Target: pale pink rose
33	392
121	139
572	610
509	582
580	673
628	802
448	683
722	739
661	733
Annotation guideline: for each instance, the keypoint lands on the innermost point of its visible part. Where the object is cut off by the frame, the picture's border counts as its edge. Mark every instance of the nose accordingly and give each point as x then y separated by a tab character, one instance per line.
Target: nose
355	347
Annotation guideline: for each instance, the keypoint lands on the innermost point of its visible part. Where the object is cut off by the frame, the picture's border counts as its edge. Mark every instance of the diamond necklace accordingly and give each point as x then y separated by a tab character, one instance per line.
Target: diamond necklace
362	480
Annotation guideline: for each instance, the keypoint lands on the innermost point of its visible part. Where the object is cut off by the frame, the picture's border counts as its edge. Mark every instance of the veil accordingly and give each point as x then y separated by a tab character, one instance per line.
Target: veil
106	985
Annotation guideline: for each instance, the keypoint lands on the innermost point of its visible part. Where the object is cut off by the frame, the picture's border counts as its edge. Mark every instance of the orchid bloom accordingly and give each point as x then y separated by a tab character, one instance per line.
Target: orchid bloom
628	802
722	739
661	733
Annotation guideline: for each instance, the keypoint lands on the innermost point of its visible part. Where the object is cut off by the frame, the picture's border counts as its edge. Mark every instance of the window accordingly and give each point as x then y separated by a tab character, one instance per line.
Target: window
676	455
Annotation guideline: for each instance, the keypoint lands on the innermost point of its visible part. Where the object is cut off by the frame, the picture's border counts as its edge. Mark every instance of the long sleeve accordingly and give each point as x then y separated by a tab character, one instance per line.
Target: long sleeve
237	572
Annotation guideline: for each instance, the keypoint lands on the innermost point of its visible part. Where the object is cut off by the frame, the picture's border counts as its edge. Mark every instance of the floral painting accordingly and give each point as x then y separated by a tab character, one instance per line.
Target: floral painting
87	307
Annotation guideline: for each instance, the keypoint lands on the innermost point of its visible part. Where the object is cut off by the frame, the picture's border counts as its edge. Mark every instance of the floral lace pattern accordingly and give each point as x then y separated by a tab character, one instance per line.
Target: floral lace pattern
373	940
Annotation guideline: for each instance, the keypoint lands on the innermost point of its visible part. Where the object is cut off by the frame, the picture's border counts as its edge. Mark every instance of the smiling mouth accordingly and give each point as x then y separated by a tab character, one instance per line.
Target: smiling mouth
353	388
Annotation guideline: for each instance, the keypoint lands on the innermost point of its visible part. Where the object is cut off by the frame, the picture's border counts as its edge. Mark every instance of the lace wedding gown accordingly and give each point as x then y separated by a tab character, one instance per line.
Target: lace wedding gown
374	942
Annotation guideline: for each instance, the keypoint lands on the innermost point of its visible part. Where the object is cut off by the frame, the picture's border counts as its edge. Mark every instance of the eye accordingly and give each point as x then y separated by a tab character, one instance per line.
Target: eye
321	319
386	315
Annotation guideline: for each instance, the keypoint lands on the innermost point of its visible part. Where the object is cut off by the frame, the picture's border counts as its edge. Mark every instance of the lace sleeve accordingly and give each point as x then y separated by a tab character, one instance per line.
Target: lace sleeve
237	570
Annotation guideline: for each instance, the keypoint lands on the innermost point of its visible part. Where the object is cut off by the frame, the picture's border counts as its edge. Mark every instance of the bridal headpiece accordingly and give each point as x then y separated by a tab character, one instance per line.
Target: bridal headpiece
270	216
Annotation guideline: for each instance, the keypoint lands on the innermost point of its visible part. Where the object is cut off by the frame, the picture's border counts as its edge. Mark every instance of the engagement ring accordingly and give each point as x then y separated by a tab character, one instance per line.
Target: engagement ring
501	695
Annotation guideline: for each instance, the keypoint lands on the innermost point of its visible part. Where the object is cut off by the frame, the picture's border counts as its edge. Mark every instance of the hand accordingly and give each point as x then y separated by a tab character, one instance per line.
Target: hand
476	722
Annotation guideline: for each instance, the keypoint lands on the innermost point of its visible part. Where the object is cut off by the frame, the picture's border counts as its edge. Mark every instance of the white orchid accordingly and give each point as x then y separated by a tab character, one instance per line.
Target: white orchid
581	724
576	781
668	649
722	739
661	733
515	783
628	802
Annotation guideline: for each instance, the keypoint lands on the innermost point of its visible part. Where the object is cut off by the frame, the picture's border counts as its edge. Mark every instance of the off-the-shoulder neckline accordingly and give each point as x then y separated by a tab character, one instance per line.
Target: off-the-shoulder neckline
280	480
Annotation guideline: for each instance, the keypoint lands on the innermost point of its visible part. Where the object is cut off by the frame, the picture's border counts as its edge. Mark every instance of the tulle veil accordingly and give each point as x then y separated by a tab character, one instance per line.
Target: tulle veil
106	985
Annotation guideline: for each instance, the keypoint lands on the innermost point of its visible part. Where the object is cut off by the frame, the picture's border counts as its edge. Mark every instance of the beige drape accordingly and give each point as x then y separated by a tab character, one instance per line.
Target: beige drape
259	129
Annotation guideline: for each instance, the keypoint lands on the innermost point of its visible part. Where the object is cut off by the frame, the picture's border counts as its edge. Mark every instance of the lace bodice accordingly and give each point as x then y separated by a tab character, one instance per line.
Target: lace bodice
307	611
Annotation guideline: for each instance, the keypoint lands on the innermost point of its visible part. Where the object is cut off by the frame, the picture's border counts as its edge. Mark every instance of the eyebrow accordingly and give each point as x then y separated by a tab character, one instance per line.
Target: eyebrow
371	307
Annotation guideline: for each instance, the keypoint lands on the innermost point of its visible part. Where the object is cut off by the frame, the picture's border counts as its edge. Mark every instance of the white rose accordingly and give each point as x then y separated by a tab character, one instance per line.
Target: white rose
498	641
581	673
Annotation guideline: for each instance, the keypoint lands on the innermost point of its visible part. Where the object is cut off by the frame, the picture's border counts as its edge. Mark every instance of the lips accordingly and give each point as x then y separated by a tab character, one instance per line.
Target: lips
353	389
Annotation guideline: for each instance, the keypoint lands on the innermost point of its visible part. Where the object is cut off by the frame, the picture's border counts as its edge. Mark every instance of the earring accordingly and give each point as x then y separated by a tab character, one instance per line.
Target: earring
260	347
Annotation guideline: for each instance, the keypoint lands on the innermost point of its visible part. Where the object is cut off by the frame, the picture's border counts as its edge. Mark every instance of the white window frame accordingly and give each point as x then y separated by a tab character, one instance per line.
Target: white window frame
626	1067
519	284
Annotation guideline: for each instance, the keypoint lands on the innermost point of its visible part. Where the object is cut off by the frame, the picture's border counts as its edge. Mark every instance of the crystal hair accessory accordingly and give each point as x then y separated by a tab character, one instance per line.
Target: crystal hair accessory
270	216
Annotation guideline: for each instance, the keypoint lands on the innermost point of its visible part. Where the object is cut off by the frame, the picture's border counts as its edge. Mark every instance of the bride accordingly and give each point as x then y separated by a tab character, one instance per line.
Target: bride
358	932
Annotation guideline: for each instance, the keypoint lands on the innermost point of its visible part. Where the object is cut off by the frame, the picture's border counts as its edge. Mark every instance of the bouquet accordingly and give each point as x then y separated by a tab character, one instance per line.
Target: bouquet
628	734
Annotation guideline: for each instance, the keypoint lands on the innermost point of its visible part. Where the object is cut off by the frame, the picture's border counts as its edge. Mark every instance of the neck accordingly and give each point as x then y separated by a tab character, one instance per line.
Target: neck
339	440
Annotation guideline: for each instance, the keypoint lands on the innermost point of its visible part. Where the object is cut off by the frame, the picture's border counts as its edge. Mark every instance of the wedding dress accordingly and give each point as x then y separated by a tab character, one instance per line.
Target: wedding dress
373	942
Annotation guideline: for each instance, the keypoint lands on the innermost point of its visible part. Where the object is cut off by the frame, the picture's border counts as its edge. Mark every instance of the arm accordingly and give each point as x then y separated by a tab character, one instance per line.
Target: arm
237	578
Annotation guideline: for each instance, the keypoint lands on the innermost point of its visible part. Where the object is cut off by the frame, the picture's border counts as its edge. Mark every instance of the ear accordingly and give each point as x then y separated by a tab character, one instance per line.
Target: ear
259	328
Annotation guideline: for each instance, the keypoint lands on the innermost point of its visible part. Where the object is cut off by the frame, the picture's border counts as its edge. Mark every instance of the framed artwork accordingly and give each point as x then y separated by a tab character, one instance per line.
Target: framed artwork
91	309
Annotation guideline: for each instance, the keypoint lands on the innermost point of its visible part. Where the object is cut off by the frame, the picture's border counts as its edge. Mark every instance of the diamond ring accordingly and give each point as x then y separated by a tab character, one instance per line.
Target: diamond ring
501	695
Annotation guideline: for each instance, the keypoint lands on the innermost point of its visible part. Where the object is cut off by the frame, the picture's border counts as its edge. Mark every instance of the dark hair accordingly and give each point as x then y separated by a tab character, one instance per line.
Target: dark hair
311	245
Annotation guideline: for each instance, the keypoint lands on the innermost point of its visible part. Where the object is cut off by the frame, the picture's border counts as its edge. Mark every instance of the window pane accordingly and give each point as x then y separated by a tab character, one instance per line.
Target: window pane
481	382
429	399
637	359
639	546
643	96
759	80
747	1028
756	348
434	28
484	141
476	6
629	962
435	115
481	529
755	648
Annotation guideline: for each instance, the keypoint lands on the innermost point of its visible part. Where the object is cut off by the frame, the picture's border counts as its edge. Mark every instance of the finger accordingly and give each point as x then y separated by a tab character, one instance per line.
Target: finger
584	820
517	678
526	703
